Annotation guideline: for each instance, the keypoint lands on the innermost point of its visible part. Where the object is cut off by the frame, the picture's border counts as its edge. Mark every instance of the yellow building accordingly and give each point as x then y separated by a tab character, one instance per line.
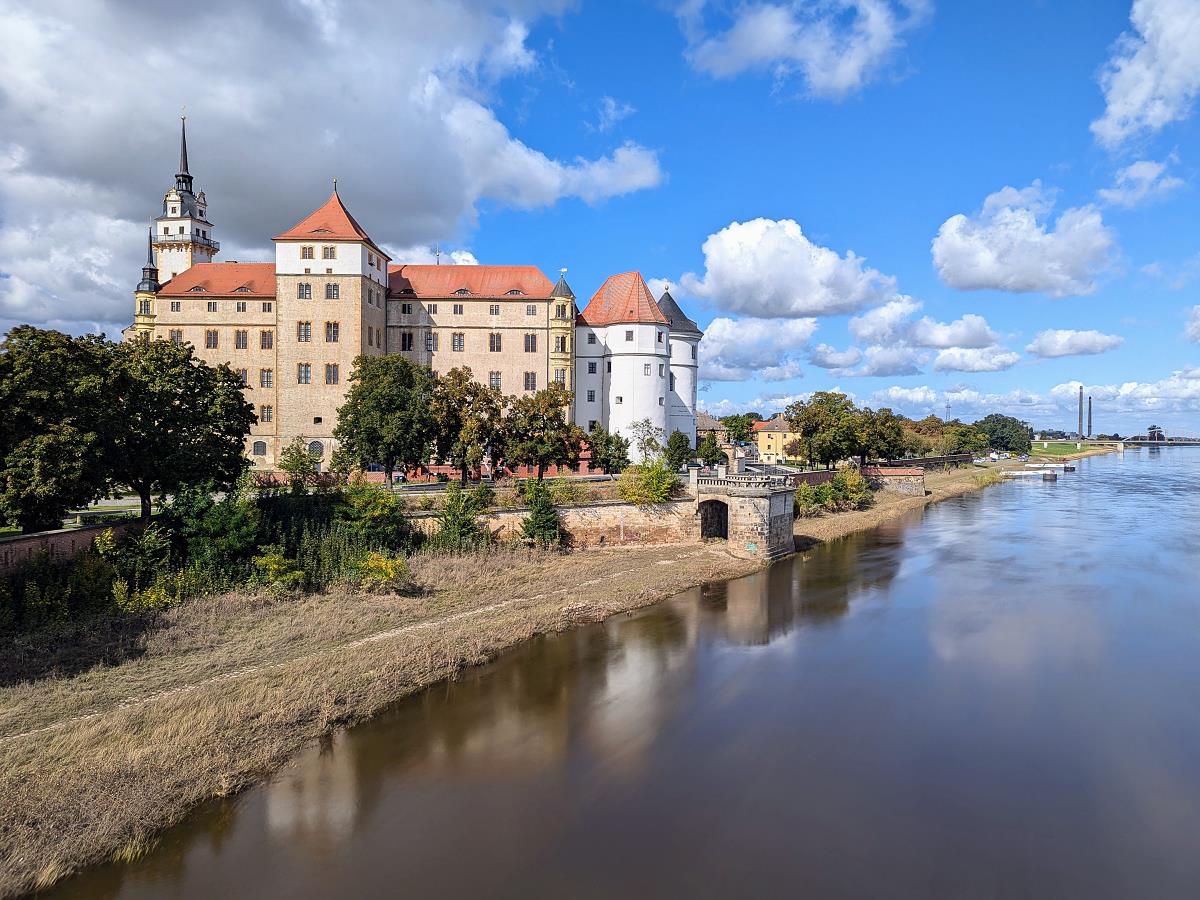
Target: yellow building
772	437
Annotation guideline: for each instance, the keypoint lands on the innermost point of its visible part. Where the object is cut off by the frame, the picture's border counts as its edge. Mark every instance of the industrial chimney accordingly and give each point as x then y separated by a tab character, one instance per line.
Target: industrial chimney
1080	431
1089	434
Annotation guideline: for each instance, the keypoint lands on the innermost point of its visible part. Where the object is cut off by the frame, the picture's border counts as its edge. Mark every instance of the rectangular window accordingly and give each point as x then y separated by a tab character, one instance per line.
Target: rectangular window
370	335
494	309
530	309
331	373
560	375
241	339
591	368
457	309
211	341
266	340
660	337
266	413
693	351
176	306
646	369
268	306
629	335
494	341
608	366
143	307
176	336
560	311
431	342
457	341
332	292
618	400
661	401
240	306
212	305
406	309
266	378
591	337
591	396
303	373
303	290
406	341
531	381
306	252
560	343
329	253
332	332
661	370
531	343
243	377
304	332
494	380
592	423
432	309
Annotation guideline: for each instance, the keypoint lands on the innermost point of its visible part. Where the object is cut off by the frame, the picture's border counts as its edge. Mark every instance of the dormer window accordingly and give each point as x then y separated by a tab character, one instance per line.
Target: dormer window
198	289
174	210
515	292
242	290
202	214
462	291
408	292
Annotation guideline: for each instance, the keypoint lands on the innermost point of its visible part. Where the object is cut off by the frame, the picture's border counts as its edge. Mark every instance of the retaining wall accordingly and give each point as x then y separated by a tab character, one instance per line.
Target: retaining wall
909	481
58	545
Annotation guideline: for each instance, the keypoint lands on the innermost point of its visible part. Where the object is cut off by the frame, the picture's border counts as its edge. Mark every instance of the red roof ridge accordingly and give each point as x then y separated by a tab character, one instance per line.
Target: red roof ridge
223	279
624	297
430	280
331	220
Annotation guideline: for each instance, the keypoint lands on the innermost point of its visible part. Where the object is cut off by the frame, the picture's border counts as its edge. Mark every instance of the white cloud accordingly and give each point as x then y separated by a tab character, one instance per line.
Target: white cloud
834	47
827	357
766	404
884	324
424	255
768	268
612	111
1007	246
905	396
1192	330
975	359
767	349
1153	75
886	361
1141	182
1057	342
90	106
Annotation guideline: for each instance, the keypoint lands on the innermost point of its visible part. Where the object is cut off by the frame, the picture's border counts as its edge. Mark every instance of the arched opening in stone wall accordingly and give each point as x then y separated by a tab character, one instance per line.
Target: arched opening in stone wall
714	519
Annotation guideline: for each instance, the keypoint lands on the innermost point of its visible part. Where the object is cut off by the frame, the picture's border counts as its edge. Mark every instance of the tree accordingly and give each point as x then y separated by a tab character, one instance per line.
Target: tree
541	527
459	521
1006	433
827	425
647	438
386	417
299	464
678	451
610	451
649	483
739	426
710	452
182	421
879	434
468	420
537	432
57	395
960	438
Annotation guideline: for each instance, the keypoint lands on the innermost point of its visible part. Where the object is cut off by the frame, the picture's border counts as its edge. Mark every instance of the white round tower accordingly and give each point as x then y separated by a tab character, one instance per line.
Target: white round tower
685	345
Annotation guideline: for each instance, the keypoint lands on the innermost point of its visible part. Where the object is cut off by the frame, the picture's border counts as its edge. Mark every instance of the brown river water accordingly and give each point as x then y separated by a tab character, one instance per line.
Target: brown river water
995	697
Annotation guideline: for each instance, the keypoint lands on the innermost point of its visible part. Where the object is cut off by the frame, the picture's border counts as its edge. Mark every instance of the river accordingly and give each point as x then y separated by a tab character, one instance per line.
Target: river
996	696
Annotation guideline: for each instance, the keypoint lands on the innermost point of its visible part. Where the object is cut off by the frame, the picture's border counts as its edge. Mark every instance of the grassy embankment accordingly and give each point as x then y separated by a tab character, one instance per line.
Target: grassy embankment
218	692
1064	450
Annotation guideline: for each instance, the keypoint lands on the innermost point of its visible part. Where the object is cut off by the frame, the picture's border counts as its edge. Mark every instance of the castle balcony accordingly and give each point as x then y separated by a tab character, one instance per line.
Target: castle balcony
186	239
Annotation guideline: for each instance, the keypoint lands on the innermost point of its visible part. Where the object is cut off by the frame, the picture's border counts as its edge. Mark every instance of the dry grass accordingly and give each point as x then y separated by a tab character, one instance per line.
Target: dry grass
227	688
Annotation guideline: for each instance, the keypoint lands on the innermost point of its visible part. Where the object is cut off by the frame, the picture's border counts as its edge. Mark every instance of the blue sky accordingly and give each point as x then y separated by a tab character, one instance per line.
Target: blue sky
813	177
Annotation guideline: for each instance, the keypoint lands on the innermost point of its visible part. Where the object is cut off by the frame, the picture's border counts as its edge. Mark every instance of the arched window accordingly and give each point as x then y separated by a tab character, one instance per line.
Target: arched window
260	448
316	448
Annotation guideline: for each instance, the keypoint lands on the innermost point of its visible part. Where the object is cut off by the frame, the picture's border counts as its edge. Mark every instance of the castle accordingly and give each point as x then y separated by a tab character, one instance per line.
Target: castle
292	328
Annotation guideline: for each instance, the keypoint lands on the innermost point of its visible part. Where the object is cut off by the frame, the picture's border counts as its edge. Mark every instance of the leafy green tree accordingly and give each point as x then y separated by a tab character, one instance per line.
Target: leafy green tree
648	483
211	530
959	438
739	426
57	395
541	527
610	451
299	464
374	513
647	438
710	452
468	420
386	418
458	522
1006	433
879	434
678	451
827	424
537	432
182	421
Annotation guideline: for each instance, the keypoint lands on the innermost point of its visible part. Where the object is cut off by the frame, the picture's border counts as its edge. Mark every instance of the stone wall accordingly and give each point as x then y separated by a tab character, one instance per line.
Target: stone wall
909	481
58	545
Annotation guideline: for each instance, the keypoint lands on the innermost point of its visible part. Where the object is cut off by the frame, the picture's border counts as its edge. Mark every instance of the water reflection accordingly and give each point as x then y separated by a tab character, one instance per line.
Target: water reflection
989	697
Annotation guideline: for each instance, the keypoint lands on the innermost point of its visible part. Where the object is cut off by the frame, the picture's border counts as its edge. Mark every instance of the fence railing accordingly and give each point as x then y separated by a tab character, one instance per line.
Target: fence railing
931	462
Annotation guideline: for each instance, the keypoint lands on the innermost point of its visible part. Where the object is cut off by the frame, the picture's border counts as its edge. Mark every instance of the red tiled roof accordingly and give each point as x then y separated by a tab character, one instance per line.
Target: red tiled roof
223	279
331	222
773	424
623	298
479	281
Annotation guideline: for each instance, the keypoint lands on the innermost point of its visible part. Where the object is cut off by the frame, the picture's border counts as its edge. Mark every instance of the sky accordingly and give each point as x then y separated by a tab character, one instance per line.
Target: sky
942	207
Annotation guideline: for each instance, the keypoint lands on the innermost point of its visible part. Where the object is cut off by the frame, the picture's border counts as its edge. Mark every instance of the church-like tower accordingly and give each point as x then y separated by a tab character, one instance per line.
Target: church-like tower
562	335
183	234
146	295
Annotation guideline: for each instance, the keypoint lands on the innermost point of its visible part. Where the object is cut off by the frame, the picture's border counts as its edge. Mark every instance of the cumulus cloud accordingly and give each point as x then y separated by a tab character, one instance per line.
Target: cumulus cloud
1056	342
826	357
1140	183
424	255
905	396
975	359
769	268
1153	75
892	323
767	349
1008	246
835	48
767	404
89	114
889	361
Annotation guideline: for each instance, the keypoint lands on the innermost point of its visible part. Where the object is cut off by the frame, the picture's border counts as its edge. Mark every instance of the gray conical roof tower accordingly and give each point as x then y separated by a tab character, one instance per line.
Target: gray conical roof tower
679	321
183	179
149	280
562	289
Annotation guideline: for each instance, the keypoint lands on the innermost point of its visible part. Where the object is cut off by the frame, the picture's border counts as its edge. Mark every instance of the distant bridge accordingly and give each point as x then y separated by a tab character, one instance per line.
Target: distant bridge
1083	443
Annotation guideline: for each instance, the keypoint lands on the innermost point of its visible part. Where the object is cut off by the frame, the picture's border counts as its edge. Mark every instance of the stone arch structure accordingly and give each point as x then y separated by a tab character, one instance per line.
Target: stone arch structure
757	512
714	519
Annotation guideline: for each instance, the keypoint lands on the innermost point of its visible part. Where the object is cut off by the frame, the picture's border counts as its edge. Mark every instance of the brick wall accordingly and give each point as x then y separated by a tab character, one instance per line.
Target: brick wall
59	545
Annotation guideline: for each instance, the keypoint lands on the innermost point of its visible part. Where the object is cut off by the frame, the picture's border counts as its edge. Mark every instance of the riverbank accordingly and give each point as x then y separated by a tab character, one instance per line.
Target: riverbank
1066	451
224	689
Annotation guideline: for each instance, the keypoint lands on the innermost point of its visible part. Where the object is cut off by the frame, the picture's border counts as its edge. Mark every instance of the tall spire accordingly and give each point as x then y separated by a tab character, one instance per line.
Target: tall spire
150	263
183	179
149	280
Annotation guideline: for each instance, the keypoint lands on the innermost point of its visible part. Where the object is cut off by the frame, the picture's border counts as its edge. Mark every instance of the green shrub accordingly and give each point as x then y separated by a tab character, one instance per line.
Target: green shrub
564	491
374	514
648	484
483	495
278	571
541	527
458	523
217	532
382	573
852	489
806	504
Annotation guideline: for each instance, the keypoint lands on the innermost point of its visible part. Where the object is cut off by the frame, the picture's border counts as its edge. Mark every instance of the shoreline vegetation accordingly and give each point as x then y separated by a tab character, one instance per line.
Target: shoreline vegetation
225	688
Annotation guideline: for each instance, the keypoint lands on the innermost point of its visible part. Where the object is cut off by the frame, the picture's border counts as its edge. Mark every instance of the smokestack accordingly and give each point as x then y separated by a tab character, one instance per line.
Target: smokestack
1080	431
1089	434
